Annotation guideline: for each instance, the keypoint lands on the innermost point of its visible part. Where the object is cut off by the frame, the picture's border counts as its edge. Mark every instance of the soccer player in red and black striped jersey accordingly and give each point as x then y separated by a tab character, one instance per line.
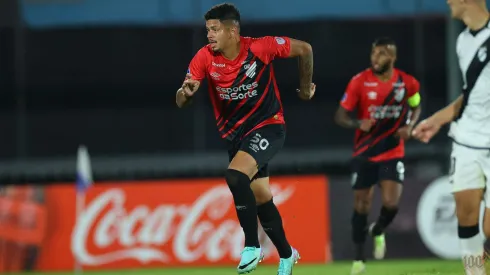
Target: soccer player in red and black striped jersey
387	102
249	116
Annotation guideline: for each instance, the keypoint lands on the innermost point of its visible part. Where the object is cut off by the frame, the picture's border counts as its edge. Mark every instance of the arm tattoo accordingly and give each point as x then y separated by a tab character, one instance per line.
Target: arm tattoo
305	70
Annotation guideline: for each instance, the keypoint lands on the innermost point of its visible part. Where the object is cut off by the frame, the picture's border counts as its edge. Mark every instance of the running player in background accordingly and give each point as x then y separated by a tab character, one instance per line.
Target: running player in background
470	131
387	102
249	116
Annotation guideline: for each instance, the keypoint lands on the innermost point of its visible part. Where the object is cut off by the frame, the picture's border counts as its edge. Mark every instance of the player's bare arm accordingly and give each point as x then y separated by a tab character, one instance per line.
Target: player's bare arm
405	132
186	92
304	52
448	114
344	119
429	127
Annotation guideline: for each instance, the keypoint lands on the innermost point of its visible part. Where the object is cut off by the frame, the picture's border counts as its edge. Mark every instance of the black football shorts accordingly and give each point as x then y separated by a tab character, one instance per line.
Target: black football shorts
262	144
366	174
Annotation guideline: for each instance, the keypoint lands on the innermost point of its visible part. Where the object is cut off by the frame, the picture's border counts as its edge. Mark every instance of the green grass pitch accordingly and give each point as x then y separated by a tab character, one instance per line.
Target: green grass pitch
386	267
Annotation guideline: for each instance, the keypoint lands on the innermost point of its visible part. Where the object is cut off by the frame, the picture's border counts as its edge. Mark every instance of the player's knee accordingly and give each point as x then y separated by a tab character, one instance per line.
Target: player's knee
362	205
244	163
486	228
261	189
263	198
262	195
390	203
468	206
235	178
467	214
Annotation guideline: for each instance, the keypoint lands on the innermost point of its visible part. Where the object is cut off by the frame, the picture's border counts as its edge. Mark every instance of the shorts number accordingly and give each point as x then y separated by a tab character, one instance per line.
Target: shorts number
261	142
400	169
353	179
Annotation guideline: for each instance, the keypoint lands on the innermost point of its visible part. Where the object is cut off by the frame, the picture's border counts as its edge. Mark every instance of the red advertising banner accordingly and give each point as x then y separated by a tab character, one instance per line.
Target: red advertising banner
174	223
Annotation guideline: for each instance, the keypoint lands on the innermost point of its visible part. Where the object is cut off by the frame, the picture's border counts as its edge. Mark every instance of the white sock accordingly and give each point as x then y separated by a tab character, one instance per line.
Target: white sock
473	255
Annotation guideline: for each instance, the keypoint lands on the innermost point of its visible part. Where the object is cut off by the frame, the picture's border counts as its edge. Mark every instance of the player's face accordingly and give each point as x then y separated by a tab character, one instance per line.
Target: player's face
457	7
218	35
381	59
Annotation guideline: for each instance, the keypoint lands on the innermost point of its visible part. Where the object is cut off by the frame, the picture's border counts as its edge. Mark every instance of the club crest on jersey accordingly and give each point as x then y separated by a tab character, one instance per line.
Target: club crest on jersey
250	70
482	54
215	75
280	40
399	94
372	95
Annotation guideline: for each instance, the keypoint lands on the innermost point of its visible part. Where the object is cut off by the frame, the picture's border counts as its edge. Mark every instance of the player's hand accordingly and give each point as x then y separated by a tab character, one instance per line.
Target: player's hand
365	125
426	129
190	86
404	132
305	93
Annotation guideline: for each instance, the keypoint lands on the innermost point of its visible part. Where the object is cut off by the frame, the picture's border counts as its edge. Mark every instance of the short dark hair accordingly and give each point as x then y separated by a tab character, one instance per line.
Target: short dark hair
384	41
223	12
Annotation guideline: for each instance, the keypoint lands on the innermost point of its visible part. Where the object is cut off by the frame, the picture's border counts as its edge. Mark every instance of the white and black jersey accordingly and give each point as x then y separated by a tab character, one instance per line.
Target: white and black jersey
472	127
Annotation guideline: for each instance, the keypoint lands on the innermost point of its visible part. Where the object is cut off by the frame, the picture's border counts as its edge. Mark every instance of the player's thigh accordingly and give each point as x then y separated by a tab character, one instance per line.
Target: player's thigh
261	145
468	183
245	163
261	189
486	222
241	161
391	175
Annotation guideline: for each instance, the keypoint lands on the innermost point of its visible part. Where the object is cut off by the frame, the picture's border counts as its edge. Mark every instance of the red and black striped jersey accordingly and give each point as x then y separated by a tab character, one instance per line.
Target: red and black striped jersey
243	91
384	102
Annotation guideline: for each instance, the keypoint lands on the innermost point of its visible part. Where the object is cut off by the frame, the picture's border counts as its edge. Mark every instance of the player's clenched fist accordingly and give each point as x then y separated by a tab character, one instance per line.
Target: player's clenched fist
190	86
404	132
426	129
365	125
307	93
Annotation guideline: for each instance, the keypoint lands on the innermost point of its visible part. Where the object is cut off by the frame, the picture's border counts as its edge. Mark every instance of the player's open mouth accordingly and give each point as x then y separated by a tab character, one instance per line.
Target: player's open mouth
212	42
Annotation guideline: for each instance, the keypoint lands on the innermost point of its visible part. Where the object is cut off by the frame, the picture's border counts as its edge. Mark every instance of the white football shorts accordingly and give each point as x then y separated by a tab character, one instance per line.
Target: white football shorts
470	169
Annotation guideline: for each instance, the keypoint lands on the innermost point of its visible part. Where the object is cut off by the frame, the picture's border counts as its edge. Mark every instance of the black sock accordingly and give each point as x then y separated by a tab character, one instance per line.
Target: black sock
386	216
245	206
271	221
359	230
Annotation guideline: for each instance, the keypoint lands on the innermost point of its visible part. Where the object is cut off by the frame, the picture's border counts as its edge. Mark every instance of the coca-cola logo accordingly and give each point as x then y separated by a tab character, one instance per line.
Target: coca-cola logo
189	232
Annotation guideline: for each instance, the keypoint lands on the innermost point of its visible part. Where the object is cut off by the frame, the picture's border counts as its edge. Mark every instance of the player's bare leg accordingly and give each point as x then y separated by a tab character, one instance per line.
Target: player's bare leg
390	196
271	222
468	213
486	221
362	205
238	177
486	213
